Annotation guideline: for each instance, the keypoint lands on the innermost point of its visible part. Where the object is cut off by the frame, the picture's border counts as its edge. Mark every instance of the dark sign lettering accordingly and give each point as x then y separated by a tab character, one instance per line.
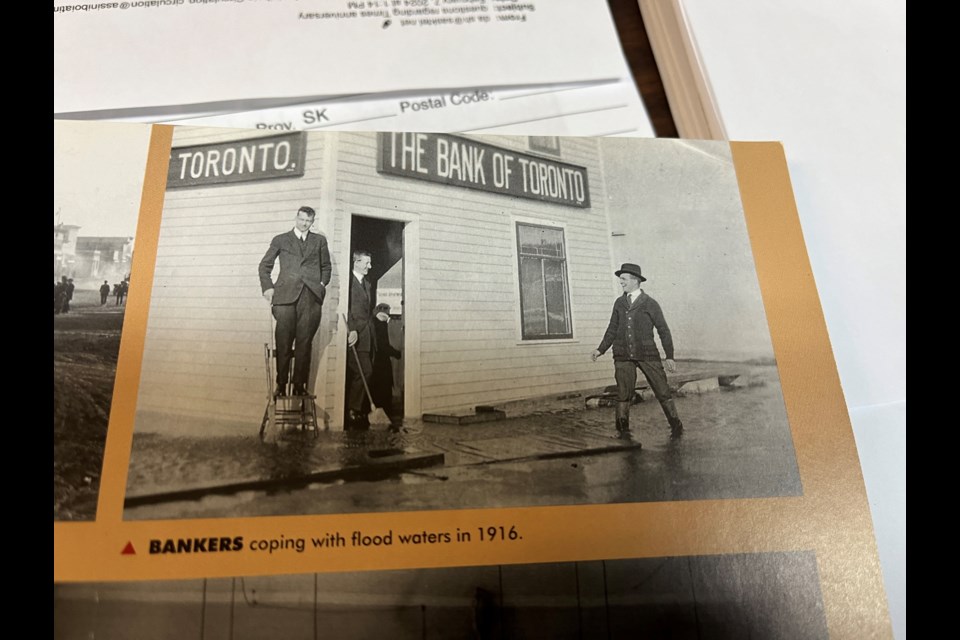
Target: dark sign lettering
266	158
447	159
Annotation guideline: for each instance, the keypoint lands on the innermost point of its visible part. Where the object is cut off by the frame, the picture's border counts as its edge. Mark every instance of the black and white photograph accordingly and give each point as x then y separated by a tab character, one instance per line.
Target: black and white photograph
762	595
371	322
98	174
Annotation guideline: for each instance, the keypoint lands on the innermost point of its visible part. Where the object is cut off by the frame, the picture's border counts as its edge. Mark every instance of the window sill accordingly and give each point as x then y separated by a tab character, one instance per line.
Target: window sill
542	341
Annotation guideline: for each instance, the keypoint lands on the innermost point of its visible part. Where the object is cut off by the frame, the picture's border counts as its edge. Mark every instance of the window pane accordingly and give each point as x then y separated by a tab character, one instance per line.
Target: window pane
545	144
529	239
531	297
540	241
556	298
544	291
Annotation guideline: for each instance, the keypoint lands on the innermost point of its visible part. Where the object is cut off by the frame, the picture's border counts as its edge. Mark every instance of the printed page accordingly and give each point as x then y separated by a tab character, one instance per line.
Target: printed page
356	351
573	109
754	595
192	52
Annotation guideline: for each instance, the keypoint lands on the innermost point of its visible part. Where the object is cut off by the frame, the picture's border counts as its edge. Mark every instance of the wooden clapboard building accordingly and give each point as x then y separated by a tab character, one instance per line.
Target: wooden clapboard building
496	249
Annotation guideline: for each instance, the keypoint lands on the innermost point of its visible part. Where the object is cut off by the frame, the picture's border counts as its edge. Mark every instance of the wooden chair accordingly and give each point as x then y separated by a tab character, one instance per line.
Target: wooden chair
297	411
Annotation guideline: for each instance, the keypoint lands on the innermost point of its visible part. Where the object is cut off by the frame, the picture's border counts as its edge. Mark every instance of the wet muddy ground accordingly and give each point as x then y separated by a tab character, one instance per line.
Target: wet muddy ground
737	444
86	342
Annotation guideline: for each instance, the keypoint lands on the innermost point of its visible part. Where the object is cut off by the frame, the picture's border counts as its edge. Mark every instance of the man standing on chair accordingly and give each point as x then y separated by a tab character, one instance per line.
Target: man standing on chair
361	342
297	296
630	332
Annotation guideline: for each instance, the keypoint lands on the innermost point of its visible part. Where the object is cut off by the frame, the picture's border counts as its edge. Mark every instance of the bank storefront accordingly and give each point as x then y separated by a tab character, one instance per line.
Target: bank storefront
493	253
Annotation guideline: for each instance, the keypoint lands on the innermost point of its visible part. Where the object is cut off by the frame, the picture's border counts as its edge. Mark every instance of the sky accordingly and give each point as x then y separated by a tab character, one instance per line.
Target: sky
98	175
674	208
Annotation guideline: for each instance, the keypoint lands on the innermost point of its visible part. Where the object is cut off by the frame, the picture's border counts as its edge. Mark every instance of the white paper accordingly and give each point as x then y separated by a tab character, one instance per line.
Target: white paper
143	53
829	80
577	109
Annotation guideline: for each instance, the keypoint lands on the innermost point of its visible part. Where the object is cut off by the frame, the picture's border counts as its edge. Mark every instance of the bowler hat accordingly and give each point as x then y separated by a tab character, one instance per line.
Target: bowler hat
629	267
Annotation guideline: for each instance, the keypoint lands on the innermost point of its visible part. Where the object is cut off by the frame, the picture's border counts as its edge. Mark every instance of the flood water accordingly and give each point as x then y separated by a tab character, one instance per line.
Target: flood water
737	444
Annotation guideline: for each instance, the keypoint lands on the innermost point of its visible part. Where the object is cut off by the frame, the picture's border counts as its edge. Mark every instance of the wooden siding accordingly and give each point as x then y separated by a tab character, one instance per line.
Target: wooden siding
208	323
471	350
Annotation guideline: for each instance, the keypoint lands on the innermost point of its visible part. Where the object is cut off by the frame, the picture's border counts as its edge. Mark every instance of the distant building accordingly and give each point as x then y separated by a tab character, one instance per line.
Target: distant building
64	249
103	257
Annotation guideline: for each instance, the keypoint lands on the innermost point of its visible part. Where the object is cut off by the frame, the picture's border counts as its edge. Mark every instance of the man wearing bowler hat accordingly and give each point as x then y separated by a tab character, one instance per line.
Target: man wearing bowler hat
630	332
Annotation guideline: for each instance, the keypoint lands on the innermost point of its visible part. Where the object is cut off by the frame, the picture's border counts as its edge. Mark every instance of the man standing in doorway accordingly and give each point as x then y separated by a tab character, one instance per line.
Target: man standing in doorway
630	332
361	342
297	296
381	381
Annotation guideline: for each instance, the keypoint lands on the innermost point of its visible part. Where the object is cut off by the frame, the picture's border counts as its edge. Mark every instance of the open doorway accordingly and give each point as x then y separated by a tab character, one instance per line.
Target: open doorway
383	240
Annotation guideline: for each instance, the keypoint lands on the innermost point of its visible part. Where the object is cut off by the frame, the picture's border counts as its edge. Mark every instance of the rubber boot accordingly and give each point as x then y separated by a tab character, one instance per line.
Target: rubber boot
670	410
623	418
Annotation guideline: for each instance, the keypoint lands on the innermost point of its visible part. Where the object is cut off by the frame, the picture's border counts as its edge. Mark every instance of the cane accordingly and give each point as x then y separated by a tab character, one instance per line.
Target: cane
376	415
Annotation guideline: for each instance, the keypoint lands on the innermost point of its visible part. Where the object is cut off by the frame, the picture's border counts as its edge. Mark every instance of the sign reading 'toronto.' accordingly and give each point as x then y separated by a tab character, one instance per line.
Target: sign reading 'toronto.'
447	159
263	158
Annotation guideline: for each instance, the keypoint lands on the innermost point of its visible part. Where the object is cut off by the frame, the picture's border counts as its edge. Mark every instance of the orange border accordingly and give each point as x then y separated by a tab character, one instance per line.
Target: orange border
831	518
850	576
123	408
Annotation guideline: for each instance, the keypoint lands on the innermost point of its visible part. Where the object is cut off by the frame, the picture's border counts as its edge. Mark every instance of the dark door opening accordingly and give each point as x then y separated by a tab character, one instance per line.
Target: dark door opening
383	240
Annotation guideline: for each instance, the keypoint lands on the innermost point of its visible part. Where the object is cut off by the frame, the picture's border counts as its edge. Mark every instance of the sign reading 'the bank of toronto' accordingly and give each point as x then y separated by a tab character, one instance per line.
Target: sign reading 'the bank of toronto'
263	158
447	159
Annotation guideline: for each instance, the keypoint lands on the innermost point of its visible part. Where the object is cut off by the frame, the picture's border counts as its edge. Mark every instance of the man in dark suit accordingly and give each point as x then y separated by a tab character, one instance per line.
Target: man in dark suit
60	295
297	296
68	295
630	333
104	292
360	338
381	382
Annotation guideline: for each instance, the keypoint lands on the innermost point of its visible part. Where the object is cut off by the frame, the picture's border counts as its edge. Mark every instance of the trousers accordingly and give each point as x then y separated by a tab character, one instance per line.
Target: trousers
625	372
297	324
357	400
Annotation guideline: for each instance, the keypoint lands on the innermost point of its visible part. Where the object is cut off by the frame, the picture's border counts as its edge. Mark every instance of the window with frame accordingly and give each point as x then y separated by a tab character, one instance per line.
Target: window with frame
545	144
544	290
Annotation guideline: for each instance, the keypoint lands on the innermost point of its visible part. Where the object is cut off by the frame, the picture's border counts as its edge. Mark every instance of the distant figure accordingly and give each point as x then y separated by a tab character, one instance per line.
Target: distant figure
59	293
67	295
124	290
104	292
117	293
381	382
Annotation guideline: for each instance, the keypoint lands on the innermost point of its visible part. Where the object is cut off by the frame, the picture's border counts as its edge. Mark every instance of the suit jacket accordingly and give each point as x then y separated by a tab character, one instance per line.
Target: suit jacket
360	318
630	331
385	350
302	264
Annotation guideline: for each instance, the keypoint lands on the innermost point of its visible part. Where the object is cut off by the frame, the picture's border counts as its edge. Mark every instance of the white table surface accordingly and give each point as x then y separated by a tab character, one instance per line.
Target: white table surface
829	80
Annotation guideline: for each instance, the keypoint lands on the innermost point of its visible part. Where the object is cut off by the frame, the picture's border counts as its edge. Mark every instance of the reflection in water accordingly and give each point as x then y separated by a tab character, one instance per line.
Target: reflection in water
299	453
292	457
736	445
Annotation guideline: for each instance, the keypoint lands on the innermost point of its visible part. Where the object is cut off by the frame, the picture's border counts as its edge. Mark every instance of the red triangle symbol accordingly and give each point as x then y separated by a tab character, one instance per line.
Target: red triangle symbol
129	550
